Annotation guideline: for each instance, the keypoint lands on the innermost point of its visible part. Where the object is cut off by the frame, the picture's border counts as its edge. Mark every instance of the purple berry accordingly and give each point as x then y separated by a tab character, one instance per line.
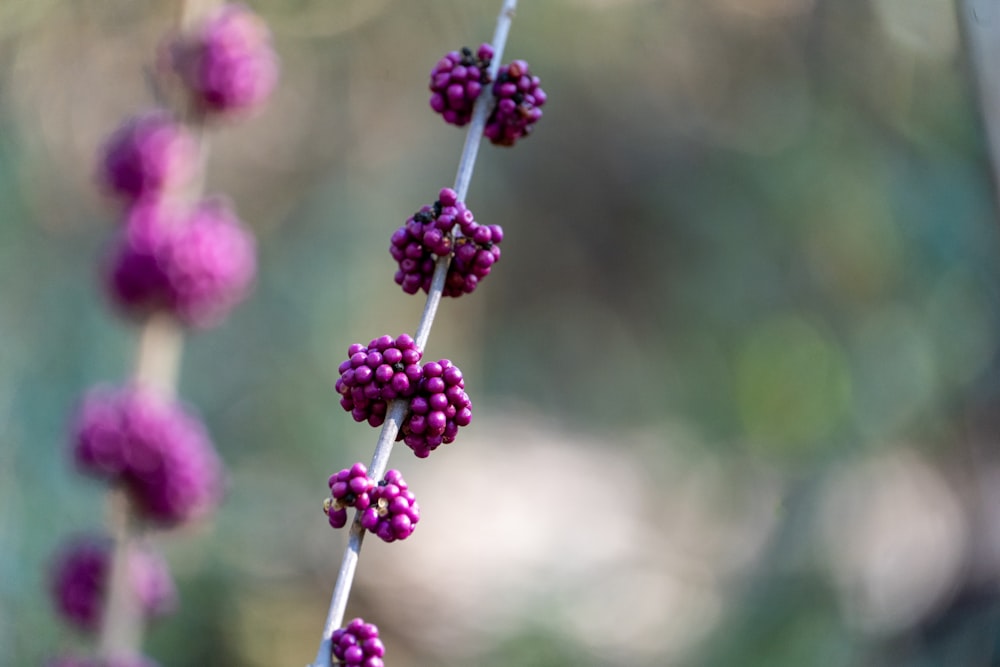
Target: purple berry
159	451
357	644
229	65
149	155
196	265
394	511
80	576
387	369
438	409
457	81
519	98
351	487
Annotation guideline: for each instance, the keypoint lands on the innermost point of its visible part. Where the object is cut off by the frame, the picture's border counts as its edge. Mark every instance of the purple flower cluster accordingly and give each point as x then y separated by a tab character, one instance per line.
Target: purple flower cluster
428	236
456	82
228	64
155	448
388	368
119	661
195	264
348	488
80	576
394	511
149	156
439	408
357	645
519	98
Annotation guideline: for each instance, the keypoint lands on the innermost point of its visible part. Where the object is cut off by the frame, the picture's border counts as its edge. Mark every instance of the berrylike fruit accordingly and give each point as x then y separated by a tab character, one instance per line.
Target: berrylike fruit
80	577
387	369
357	645
195	264
348	488
154	447
519	98
394	511
457	81
438	409
229	64
429	235
147	156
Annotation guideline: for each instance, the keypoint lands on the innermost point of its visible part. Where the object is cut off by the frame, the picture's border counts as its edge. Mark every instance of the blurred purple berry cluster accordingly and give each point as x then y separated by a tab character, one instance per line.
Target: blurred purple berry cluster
357	645
80	577
459	78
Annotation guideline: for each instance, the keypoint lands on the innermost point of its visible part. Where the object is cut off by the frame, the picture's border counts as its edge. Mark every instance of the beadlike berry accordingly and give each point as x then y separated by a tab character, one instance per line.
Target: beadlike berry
195	264
457	81
370	377
80	577
154	447
147	156
394	511
348	488
438	409
229	64
519	99
357	645
428	235
119	661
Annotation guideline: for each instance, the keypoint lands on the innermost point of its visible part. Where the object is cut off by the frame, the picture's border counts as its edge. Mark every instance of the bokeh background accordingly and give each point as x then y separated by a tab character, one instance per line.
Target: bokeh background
735	378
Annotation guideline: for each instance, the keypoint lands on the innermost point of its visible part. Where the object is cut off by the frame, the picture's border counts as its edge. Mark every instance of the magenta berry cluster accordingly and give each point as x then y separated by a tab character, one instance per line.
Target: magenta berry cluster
456	82
430	234
386	369
149	156
228	64
438	409
348	488
80	577
394	511
459	78
357	645
152	446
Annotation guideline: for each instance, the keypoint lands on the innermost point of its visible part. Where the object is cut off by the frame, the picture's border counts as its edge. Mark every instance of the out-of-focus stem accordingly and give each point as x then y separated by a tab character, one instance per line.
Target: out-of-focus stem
157	358
980	22
121	624
397	409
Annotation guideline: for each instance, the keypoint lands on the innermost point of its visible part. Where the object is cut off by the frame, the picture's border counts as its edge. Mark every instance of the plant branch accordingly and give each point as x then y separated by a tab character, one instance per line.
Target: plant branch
397	408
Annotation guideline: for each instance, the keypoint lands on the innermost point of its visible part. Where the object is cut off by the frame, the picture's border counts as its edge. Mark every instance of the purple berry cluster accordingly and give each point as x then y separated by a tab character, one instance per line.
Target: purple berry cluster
80	576
388	368
459	78
438	409
228	64
394	511
430	234
348	488
194	263
456	82
357	645
148	157
154	447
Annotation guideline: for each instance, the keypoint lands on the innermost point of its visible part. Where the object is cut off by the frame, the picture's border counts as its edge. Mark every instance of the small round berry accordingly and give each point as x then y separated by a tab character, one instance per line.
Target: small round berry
357	645
229	64
394	511
147	156
438	409
456	82
388	368
155	447
519	98
351	487
80	576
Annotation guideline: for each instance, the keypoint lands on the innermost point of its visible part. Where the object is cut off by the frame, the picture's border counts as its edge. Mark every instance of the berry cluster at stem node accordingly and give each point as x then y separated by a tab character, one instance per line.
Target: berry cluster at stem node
80	577
457	81
387	369
348	488
429	235
154	447
194	263
394	511
438	409
228	65
357	645
518	101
